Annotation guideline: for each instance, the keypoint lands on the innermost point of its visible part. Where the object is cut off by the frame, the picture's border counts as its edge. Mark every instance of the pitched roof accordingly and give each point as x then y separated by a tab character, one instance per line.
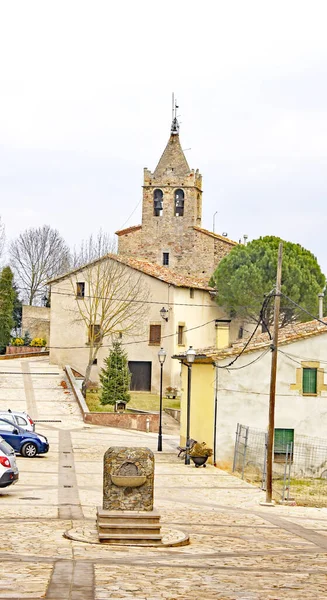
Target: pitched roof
291	333
172	158
157	271
128	230
215	235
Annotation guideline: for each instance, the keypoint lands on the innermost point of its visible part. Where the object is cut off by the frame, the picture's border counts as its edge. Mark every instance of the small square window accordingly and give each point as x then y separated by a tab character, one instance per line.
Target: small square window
155	335
80	289
165	259
309	381
95	362
180	338
283	444
191	293
94	334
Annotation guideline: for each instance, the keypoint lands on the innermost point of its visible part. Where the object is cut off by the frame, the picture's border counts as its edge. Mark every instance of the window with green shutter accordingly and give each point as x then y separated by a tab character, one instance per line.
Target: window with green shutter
283	438
309	381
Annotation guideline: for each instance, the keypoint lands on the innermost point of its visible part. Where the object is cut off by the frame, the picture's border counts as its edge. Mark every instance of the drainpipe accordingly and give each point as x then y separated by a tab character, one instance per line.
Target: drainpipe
215	419
321	304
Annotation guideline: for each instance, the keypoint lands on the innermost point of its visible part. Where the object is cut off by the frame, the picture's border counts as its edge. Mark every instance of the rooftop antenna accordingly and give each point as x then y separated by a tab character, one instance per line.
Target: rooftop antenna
174	122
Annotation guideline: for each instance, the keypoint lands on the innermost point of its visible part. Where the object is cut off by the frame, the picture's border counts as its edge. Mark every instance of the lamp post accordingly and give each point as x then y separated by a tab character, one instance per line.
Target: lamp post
190	356
161	357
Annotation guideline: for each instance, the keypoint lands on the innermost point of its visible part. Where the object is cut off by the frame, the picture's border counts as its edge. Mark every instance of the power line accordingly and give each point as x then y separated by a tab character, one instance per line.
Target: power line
304	310
263	308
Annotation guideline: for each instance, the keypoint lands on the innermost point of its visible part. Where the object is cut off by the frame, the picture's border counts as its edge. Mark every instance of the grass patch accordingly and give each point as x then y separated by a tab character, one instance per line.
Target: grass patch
140	400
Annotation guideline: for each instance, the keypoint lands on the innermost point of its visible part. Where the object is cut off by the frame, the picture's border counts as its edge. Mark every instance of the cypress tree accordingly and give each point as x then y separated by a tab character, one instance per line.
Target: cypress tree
7	296
115	377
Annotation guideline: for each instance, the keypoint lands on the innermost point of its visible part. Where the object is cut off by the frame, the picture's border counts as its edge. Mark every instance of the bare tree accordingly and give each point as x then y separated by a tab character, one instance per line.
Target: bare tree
111	299
35	256
93	248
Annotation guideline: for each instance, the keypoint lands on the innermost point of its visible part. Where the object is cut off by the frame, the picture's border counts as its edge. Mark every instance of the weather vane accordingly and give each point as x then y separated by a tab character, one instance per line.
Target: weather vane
174	123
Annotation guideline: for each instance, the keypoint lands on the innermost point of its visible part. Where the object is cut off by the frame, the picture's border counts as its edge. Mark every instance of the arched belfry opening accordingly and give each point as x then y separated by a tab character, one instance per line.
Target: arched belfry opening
157	203
179	203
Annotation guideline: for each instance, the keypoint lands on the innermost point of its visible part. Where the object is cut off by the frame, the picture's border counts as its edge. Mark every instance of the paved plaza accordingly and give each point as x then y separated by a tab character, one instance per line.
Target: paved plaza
239	550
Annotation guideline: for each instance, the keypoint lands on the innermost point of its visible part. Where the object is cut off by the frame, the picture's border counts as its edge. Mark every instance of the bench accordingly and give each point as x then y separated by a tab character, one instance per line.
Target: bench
182	450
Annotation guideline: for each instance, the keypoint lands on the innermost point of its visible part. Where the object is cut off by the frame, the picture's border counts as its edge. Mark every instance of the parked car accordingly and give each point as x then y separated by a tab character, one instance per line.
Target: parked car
8	468
26	443
18	418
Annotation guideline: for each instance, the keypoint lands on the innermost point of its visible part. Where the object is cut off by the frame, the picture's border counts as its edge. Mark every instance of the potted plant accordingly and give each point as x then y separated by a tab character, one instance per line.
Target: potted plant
200	453
171	392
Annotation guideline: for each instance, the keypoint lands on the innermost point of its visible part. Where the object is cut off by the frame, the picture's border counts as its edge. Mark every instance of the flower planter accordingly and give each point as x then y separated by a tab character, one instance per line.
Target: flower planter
199	461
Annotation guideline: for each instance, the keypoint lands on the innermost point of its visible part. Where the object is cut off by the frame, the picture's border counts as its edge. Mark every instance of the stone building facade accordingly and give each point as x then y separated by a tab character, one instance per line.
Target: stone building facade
171	232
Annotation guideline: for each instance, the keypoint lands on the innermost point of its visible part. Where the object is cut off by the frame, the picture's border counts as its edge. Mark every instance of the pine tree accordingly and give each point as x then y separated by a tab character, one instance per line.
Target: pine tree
115	377
6	307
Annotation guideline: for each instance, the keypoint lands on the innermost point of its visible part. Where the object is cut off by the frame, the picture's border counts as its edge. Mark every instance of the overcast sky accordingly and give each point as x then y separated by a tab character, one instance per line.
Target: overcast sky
85	104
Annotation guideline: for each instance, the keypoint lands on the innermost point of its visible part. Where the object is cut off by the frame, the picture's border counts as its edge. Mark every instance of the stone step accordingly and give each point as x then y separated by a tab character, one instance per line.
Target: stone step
129	522
116	529
122	514
130	542
129	538
131	518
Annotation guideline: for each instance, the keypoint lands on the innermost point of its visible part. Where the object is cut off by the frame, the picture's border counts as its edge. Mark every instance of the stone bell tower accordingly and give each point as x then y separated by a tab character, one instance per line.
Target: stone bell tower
172	206
171	234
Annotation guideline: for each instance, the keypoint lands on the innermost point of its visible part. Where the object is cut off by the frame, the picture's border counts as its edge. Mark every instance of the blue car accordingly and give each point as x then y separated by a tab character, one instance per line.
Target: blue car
26	443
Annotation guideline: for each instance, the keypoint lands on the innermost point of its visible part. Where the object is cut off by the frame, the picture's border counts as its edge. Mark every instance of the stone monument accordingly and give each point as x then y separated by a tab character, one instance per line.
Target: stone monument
127	516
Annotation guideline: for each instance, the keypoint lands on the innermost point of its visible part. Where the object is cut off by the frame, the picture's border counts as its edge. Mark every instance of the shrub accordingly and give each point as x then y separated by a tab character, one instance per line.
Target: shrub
38	343
17	342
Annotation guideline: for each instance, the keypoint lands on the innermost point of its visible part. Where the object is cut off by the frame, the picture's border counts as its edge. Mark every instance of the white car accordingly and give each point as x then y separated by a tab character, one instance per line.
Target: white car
8	467
18	418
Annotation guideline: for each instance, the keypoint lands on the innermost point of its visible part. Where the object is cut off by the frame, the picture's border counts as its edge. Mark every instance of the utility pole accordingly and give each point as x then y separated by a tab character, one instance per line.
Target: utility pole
271	426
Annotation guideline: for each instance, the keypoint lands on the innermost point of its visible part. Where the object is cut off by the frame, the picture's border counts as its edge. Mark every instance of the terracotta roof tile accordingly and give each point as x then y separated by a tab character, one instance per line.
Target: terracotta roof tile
215	235
290	333
128	230
148	268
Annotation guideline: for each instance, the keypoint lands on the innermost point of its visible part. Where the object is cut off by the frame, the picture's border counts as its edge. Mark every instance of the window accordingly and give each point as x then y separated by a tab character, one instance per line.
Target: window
191	293
95	362
180	336
21	421
165	259
94	334
157	203
179	203
155	335
80	289
282	444
309	381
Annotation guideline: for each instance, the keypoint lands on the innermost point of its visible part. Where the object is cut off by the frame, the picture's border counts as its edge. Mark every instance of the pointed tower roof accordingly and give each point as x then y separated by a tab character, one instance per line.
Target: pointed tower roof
172	158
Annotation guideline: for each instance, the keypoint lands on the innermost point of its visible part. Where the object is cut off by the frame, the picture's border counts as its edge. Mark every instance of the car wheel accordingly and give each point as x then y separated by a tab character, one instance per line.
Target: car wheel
29	450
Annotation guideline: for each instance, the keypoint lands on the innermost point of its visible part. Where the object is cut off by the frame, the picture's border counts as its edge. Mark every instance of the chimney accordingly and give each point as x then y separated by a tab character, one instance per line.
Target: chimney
321	305
245	238
222	333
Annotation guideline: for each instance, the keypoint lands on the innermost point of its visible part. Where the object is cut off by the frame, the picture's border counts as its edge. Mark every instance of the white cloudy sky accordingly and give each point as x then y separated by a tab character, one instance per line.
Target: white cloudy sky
85	104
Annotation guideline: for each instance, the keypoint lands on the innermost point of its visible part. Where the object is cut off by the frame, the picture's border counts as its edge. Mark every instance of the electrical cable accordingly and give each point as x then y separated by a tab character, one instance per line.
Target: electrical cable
304	310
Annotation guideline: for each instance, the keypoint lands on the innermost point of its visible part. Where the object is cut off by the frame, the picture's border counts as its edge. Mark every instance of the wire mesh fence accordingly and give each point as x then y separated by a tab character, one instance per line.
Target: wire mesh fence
299	467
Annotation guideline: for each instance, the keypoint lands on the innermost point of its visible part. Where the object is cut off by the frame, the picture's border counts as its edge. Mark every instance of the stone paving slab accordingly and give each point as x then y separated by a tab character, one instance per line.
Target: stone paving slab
239	550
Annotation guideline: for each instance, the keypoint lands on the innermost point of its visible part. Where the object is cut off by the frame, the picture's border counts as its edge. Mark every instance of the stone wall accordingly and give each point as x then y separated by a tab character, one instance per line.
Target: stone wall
136	421
36	320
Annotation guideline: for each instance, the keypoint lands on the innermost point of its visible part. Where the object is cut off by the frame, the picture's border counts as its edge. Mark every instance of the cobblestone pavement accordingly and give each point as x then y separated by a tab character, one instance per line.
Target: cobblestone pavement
239	550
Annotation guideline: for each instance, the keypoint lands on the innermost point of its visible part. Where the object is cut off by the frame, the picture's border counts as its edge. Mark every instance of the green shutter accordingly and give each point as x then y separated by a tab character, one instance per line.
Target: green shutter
282	438
309	381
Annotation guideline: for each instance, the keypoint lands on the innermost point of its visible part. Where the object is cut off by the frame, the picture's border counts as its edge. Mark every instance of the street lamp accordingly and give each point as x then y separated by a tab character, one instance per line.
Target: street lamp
161	357
190	356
